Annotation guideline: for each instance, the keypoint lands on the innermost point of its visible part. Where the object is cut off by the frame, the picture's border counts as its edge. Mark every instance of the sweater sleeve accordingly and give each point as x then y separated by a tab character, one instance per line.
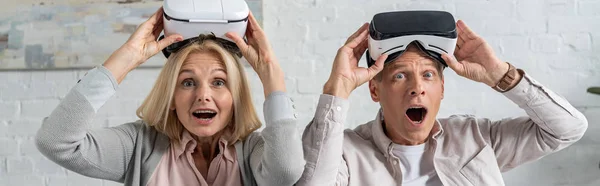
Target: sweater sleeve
66	138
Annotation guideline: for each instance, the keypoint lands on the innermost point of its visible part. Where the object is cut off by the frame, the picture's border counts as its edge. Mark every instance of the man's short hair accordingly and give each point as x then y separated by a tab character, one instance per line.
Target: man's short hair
438	65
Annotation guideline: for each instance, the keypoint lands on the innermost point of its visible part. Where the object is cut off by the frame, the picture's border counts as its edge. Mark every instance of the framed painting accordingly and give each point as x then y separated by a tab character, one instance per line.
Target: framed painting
55	35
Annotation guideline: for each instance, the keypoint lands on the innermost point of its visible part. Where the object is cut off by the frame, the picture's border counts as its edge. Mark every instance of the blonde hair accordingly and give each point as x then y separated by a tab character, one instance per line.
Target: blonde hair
155	110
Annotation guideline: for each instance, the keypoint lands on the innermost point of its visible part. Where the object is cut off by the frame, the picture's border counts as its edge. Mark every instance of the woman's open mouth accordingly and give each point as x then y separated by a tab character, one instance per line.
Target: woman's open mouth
204	116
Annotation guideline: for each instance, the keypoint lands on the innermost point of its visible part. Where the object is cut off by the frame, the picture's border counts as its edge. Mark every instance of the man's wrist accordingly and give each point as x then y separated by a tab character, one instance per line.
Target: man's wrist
498	73
509	80
335	88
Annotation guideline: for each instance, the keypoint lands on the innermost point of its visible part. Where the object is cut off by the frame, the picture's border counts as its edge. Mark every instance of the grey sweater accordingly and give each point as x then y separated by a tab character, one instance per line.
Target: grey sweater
130	152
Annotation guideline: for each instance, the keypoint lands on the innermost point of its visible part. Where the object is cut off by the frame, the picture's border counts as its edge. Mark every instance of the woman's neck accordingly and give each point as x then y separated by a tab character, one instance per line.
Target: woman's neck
207	149
208	146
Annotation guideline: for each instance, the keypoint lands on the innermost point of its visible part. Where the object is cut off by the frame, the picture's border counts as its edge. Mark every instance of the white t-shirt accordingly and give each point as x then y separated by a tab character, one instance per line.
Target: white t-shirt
416	164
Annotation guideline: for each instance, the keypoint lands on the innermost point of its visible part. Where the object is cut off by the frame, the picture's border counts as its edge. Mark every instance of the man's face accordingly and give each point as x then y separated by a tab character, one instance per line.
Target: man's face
410	90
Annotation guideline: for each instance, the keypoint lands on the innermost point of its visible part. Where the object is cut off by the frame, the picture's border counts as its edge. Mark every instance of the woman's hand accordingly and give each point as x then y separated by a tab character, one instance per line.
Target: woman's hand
140	46
259	54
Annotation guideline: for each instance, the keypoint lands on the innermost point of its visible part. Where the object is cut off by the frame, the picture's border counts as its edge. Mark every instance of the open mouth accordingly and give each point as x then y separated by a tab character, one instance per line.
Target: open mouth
416	114
205	114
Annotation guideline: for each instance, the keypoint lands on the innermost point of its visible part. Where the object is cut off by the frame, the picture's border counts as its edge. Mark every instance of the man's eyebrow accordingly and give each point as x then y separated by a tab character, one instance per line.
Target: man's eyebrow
397	66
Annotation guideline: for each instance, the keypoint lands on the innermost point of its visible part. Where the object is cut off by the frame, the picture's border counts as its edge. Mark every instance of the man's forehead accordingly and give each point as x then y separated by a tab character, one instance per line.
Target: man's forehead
410	60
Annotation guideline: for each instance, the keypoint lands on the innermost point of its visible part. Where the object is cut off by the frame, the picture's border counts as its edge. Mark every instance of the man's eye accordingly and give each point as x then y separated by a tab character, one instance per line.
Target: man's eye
399	76
428	74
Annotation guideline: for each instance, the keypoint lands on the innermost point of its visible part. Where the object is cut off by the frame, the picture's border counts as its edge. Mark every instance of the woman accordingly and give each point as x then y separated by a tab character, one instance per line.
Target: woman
197	124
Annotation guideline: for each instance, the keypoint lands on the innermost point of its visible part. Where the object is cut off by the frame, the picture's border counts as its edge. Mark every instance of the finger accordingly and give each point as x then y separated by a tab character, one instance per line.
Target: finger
377	67
461	35
466	30
459	40
357	33
357	40
154	17
169	40
360	49
153	25
456	52
238	41
253	23
158	28
452	63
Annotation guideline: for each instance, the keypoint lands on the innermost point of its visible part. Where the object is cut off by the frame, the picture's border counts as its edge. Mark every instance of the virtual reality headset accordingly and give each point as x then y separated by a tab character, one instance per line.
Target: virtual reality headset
433	32
190	18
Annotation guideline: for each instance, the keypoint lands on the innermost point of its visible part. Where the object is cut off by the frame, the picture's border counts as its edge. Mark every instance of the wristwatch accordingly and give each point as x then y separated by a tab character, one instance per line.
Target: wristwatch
509	78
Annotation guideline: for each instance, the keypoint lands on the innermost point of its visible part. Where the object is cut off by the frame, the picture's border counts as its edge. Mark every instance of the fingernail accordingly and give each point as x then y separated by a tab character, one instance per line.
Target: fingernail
179	39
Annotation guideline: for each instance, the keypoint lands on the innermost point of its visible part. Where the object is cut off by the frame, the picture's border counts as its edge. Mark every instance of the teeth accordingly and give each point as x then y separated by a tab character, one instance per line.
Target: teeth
415	107
204	111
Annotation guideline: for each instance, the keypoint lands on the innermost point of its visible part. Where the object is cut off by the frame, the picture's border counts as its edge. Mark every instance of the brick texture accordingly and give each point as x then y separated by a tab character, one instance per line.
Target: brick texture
555	41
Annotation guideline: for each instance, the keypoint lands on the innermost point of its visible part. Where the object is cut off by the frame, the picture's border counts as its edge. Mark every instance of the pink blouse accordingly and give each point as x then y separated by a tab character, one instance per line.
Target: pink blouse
177	166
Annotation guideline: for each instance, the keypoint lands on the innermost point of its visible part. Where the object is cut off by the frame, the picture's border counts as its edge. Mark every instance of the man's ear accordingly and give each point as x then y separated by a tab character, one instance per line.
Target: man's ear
442	88
373	89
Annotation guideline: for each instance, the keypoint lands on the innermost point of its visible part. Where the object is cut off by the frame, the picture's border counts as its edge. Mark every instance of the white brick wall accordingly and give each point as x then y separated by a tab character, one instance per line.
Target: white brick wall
556	41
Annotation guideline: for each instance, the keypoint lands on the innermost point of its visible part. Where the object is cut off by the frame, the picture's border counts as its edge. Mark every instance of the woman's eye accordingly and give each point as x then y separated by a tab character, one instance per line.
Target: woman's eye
428	74
399	76
188	83
219	83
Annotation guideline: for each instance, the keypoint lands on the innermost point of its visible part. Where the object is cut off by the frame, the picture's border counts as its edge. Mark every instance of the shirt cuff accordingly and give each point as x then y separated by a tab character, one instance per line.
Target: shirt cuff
97	86
332	108
277	106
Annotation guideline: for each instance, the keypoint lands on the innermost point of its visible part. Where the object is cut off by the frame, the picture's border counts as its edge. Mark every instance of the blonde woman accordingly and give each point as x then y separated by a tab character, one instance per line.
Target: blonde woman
197	124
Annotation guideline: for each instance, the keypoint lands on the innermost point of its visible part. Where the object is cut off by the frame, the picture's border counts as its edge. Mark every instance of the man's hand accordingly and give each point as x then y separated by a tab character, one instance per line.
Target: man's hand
346	75
475	58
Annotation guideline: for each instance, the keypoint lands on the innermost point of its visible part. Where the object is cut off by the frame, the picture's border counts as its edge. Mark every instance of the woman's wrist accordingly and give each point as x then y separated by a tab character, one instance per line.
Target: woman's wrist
120	63
272	79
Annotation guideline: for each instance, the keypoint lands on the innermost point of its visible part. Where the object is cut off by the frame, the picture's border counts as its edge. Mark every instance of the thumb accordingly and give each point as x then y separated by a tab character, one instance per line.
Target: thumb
377	67
163	43
452	63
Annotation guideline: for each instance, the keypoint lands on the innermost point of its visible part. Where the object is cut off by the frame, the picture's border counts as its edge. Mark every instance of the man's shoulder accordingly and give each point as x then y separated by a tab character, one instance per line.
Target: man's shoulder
460	124
461	119
362	131
358	142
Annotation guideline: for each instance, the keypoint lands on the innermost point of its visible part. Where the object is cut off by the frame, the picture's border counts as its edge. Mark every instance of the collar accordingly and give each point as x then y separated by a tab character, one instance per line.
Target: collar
188	144
384	143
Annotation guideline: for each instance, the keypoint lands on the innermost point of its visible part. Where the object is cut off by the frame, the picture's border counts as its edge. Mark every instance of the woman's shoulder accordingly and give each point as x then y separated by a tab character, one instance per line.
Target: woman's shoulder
141	131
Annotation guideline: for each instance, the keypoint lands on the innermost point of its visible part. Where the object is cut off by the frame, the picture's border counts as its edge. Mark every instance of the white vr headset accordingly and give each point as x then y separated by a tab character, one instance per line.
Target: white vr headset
190	18
434	32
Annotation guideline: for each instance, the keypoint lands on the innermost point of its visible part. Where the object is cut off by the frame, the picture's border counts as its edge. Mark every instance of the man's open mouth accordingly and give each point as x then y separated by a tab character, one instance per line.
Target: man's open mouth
205	114
416	114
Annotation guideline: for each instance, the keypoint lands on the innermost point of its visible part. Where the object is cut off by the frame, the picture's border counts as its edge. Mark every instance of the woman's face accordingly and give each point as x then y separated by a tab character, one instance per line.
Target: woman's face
202	101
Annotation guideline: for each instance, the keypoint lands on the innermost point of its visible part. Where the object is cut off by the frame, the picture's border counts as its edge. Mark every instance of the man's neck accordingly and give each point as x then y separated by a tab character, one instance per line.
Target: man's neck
398	139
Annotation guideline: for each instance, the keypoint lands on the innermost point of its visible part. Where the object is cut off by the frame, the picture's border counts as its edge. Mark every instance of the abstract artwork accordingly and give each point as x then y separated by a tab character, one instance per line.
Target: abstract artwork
72	34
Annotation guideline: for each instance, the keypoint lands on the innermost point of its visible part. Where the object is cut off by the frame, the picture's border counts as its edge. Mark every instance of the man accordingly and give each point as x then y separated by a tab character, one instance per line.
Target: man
407	145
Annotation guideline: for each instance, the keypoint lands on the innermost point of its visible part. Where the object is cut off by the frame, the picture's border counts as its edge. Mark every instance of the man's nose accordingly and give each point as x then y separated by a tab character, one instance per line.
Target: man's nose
417	88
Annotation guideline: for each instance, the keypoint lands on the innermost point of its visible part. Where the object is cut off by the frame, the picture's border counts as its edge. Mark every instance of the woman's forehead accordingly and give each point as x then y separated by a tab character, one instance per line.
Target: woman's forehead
202	56
203	59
